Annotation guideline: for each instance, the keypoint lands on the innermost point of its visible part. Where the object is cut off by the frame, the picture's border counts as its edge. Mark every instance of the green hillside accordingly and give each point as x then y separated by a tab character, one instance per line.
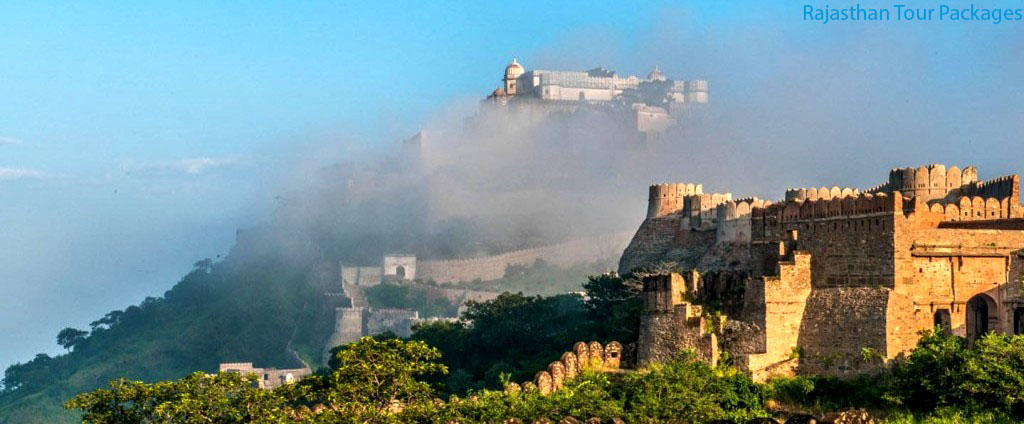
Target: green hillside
246	308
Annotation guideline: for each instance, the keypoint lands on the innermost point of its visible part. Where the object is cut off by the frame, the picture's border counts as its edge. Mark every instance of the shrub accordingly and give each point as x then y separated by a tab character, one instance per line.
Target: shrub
689	390
827	393
932	374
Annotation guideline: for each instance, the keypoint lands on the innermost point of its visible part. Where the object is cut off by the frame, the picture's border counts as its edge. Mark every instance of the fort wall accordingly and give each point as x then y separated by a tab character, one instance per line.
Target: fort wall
583	357
670	325
776	304
664	199
733	219
837	281
493	267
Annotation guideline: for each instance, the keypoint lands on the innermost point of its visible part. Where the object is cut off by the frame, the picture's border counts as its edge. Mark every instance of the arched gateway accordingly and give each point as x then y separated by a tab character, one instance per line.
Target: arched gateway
982	316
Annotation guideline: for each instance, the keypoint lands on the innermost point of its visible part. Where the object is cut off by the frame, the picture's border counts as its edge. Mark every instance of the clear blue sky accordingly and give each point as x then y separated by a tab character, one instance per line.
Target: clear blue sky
136	136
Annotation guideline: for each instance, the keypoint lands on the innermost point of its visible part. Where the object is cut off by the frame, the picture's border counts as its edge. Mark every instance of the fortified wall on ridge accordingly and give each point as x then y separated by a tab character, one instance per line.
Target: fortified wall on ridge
830	280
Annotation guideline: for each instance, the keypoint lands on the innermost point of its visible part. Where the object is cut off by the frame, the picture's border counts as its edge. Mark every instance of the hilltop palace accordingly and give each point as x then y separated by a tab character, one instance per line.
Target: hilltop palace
829	281
652	104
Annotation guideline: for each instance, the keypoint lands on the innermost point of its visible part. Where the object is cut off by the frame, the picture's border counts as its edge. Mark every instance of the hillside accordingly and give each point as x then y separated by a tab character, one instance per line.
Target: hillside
248	307
261	303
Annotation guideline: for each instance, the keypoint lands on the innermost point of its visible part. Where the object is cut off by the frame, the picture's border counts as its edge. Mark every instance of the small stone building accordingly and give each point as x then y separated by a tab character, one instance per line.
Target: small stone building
267	378
832	281
400	266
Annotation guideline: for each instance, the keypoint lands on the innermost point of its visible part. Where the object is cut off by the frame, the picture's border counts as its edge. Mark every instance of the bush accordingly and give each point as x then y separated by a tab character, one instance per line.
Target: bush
827	393
932	374
689	390
589	395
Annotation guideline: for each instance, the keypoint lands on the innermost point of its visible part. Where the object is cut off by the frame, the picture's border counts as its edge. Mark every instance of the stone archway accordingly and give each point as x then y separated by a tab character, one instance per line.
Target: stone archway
982	316
400	272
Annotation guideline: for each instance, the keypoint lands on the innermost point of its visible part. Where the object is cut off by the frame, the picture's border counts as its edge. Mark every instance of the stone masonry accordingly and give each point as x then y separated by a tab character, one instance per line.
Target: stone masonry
830	280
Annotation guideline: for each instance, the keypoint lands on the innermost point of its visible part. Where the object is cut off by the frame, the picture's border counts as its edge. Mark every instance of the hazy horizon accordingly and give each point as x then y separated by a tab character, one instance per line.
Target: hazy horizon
134	141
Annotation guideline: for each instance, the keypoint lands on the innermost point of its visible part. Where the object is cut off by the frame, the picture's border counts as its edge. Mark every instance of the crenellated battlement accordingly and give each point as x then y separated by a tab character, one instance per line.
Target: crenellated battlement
826	193
976	208
697	85
940	193
700	210
665	199
810	282
1005	187
739	209
931	181
804	210
666	312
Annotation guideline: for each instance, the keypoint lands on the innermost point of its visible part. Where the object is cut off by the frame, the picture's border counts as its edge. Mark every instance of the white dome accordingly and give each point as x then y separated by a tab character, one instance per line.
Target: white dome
514	70
656	75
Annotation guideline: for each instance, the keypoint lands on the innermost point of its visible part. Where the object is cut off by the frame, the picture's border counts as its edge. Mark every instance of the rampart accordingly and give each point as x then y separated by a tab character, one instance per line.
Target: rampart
821	193
834	280
583	357
493	267
665	199
670	325
733	219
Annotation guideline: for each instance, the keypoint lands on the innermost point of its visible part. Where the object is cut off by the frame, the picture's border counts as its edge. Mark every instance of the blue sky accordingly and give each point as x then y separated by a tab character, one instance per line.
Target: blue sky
136	136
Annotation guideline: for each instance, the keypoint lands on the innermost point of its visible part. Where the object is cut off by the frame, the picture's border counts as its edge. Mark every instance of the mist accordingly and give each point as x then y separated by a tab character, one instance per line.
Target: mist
792	104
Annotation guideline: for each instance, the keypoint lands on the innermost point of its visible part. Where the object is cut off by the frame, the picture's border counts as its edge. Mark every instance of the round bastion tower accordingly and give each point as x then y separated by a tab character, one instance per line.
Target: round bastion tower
697	91
666	199
513	71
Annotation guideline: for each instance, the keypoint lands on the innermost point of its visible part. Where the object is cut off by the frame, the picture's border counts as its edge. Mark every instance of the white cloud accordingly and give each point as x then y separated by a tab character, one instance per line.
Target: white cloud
11	174
8	140
188	166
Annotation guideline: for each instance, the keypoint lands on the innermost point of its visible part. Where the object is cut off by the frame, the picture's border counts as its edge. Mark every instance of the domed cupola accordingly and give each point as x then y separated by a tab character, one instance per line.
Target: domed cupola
656	75
512	71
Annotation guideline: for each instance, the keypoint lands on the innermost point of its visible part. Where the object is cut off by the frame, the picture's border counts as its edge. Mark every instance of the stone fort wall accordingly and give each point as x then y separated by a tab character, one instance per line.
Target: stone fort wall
493	267
838	280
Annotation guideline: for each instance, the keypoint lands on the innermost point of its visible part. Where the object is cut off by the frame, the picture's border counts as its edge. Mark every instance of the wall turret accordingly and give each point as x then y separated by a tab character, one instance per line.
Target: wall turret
820	193
934	181
666	199
697	91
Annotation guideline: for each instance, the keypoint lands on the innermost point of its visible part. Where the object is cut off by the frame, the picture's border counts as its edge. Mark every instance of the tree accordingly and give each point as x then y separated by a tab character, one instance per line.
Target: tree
932	374
199	398
689	390
376	374
613	304
69	337
204	265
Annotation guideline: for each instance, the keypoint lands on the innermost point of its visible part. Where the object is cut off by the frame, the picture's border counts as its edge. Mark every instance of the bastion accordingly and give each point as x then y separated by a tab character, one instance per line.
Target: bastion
833	280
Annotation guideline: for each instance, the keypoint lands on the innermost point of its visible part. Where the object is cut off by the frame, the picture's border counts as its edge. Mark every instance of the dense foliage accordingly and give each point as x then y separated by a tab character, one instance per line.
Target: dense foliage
945	371
239	309
259	307
404	296
944	379
198	398
376	380
266	311
517	335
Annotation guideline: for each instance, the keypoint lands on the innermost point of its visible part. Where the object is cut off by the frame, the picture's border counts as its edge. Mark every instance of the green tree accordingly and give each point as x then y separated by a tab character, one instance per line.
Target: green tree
996	372
932	374
614	306
689	390
374	375
69	337
199	398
